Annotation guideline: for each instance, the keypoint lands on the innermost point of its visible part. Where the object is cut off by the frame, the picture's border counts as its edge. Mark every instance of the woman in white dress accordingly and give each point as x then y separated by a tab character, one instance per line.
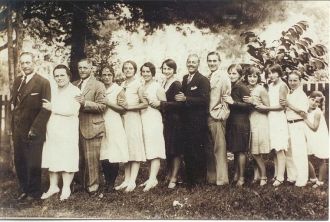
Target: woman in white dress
61	151
152	123
132	103
114	148
278	127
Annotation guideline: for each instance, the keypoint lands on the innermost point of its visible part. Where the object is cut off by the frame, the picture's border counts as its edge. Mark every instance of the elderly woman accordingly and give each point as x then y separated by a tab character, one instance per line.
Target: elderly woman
61	152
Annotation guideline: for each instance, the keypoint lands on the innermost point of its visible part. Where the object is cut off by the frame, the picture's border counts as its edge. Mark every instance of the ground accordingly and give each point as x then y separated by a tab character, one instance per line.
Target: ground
203	202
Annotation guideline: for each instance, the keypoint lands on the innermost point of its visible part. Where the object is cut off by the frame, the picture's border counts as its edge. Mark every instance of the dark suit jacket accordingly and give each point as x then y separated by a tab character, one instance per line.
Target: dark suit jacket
91	122
28	114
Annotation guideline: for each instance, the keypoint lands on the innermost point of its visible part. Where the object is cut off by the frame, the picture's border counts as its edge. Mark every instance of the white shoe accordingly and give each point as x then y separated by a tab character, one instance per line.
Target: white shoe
65	194
131	186
151	184
122	186
49	193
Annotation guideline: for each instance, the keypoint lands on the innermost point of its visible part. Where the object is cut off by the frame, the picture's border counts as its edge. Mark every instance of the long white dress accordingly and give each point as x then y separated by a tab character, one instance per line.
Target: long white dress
278	126
61	148
132	123
318	141
114	145
152	123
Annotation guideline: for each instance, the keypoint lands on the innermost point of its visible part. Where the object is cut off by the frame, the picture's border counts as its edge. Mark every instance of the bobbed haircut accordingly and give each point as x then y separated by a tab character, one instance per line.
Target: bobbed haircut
170	63
151	67
237	67
62	66
315	94
107	66
132	63
252	70
276	68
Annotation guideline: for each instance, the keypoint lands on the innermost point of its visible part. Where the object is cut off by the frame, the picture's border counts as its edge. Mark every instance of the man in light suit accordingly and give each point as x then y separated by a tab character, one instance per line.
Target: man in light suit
195	101
91	125
29	122
217	167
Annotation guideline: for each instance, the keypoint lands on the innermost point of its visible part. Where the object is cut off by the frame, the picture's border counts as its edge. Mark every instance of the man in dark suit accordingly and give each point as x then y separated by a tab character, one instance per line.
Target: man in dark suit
195	99
91	125
29	121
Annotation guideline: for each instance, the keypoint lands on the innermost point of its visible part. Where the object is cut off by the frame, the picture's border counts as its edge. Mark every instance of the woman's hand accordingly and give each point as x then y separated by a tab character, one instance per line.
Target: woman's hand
180	97
154	104
260	107
228	99
303	114
248	99
283	102
46	105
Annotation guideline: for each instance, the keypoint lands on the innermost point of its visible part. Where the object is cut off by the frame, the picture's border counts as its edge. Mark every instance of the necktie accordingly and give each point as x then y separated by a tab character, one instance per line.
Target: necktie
19	90
80	84
189	78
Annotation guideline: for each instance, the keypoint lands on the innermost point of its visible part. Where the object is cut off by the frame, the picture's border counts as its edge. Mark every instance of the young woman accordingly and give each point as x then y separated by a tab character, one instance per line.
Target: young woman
317	136
172	122
278	127
152	124
132	103
238	123
296	105
258	121
61	152
114	147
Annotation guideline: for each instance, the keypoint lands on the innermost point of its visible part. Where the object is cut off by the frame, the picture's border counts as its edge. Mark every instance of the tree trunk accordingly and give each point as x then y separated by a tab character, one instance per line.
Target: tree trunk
19	38
79	27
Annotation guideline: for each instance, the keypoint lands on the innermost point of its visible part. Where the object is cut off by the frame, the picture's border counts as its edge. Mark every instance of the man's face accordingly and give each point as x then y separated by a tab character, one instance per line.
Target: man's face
213	62
192	64
84	69
27	64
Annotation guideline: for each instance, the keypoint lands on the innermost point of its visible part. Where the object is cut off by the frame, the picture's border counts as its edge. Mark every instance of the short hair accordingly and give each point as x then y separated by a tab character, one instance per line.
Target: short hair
29	54
132	63
237	67
315	94
295	72
170	63
62	66
88	61
252	70
276	68
213	53
107	66
193	55
151	67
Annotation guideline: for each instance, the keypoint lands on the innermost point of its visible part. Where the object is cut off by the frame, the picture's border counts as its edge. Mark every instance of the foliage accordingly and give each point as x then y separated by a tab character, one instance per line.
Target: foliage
294	51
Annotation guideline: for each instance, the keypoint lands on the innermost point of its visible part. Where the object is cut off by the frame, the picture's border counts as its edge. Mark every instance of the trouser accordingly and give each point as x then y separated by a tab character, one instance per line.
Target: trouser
217	167
90	162
110	171
296	156
27	159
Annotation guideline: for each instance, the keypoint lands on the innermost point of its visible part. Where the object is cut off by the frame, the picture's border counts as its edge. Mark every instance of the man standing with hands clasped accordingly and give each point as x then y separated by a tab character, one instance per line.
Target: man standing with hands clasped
195	100
29	120
91	125
217	167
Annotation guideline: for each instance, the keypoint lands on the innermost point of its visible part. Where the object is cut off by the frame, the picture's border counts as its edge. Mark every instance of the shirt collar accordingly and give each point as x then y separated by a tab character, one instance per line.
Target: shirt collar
28	77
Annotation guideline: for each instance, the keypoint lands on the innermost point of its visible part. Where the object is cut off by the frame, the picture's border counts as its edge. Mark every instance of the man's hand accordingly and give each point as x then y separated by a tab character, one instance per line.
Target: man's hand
31	135
80	99
180	97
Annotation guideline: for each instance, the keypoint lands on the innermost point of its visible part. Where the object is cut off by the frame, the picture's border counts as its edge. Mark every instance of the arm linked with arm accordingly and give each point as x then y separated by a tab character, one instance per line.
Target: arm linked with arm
99	103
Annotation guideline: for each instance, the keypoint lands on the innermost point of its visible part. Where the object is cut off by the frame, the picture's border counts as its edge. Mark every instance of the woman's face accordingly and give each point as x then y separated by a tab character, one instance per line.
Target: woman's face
274	76
233	75
315	102
128	70
61	77
106	76
168	72
146	74
294	81
252	79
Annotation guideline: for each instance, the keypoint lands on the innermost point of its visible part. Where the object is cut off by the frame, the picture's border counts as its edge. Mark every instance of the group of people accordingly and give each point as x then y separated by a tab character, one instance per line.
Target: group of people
73	128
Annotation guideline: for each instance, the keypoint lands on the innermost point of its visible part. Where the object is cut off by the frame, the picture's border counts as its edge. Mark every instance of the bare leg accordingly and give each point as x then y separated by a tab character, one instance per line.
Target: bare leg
280	168
241	162
236	168
154	169
275	166
53	185
262	169
323	170
67	179
311	171
176	166
135	166
127	178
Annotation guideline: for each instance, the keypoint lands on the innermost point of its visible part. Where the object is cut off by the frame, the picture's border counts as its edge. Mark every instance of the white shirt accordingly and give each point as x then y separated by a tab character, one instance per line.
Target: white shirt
299	100
28	77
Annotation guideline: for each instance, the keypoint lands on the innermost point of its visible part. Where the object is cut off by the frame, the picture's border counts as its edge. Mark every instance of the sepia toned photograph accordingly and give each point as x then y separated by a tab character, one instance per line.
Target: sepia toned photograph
164	109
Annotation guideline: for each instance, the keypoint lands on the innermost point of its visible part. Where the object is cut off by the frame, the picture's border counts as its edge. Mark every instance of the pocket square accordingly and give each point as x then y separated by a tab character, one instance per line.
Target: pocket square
33	94
193	88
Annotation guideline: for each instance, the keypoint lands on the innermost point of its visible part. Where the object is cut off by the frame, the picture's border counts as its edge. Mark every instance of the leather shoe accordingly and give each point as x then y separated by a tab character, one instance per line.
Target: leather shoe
22	196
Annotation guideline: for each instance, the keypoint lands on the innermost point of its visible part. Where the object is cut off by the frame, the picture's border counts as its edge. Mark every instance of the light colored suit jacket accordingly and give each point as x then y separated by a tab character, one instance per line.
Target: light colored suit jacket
91	122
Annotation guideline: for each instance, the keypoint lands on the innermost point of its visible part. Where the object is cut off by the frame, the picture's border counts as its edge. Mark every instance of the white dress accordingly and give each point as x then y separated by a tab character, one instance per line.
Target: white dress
61	148
132	123
114	145
278	126
152	124
318	141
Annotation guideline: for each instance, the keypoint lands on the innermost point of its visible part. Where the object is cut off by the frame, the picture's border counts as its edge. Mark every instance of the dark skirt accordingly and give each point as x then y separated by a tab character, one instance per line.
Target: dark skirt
238	133
173	135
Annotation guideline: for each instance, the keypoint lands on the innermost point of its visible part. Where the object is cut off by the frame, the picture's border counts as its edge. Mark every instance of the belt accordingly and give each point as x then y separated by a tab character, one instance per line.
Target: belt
295	121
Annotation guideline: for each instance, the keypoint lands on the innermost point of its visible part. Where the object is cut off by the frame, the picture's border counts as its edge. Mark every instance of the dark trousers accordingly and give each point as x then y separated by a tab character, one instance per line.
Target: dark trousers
27	158
110	171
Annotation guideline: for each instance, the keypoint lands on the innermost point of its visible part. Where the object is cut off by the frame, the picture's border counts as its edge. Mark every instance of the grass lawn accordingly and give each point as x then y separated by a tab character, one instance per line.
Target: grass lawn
203	202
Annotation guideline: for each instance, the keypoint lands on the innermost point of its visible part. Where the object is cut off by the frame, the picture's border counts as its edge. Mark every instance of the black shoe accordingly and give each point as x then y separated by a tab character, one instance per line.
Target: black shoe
22	196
